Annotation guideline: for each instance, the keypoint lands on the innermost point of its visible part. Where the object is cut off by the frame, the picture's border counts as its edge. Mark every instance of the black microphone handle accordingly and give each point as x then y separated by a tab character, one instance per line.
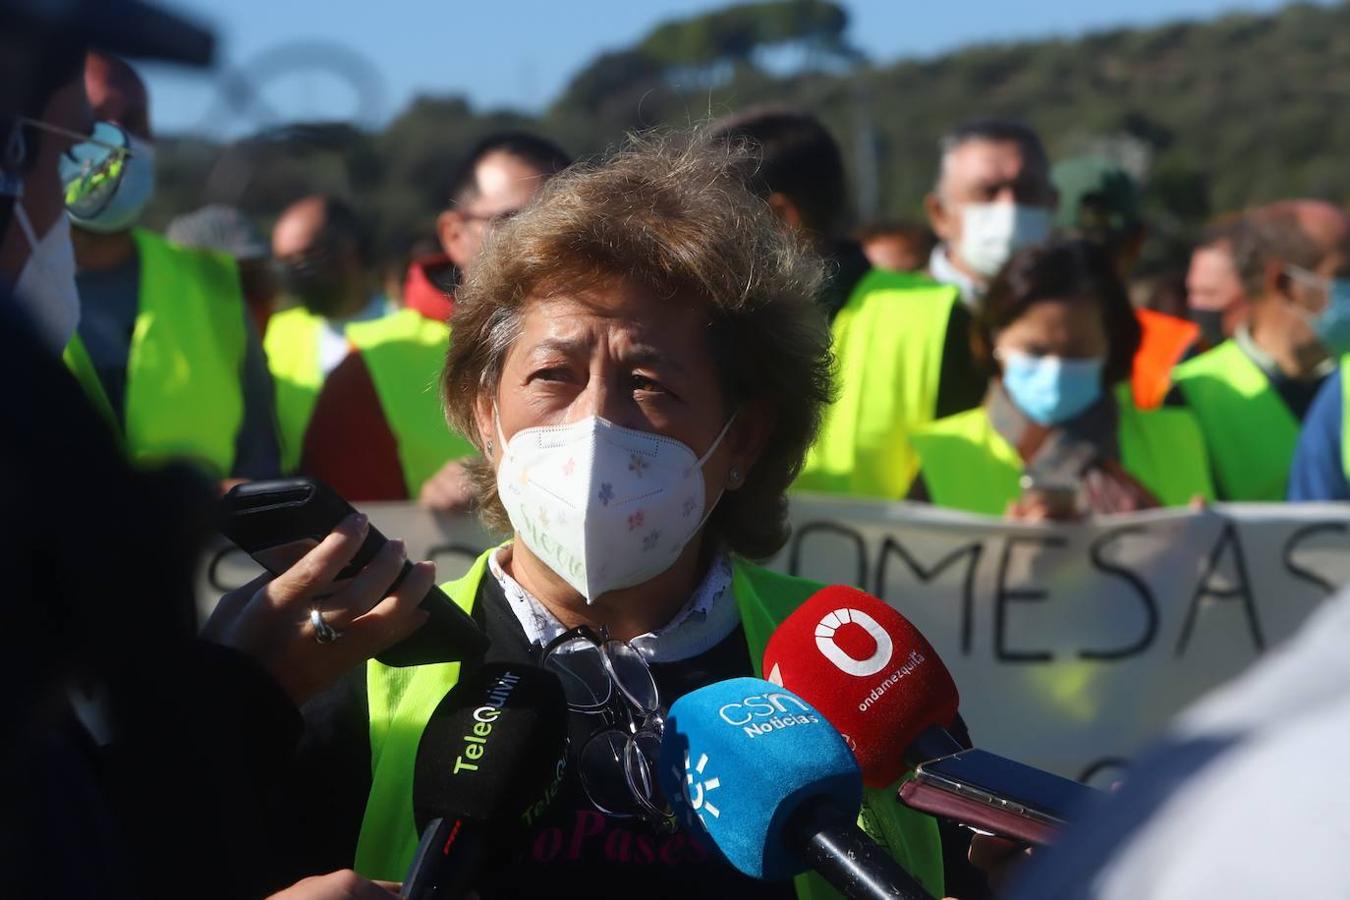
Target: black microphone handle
448	860
833	845
934	742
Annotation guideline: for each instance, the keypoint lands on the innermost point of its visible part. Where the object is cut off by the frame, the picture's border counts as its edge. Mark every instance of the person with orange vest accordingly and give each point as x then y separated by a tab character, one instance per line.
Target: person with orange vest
378	397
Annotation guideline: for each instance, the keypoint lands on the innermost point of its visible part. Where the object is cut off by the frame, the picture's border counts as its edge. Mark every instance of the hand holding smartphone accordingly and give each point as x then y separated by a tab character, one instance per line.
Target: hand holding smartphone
997	795
277	522
1043	499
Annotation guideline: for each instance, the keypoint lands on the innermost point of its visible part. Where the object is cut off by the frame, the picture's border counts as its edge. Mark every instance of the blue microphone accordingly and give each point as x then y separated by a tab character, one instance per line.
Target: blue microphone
774	787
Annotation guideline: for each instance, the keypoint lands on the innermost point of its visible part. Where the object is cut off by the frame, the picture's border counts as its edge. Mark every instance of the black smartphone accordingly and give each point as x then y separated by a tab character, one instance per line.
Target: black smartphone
1059	498
997	794
277	522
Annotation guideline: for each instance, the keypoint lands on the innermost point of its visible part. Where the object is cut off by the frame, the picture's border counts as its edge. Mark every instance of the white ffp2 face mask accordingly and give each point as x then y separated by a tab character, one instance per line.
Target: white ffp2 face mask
993	232
604	507
46	285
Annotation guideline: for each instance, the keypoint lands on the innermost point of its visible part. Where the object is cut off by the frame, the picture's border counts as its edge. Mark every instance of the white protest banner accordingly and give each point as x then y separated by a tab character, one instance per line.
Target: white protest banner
1071	645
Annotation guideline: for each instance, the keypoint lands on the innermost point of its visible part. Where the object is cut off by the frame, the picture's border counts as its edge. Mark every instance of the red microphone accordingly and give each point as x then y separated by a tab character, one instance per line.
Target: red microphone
871	674
880	683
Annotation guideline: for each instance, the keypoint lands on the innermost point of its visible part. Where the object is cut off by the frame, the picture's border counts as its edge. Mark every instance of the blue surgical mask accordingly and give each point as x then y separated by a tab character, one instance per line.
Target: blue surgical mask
1332	324
1051	389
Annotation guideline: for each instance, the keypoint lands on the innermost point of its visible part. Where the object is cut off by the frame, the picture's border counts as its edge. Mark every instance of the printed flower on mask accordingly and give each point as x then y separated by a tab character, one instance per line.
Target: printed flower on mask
606	494
569	467
636	465
688	508
650	540
635	520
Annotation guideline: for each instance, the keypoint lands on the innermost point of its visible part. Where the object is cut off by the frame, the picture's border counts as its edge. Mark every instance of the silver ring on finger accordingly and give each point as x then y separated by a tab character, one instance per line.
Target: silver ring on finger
323	632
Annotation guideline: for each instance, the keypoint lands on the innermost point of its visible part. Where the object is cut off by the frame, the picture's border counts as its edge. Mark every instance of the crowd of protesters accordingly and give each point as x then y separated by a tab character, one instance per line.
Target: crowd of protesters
706	288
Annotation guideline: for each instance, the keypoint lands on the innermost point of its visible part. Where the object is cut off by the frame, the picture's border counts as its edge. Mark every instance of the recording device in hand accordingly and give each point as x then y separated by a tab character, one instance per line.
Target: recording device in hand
1059	499
490	761
876	678
277	522
996	794
761	774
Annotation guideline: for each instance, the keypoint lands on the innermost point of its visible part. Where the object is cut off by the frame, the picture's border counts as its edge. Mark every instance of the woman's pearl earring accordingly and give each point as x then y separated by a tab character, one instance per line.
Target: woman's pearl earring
734	475
489	446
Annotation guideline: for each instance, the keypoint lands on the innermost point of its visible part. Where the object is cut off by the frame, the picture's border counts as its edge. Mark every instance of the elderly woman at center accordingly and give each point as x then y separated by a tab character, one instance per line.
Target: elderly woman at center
639	357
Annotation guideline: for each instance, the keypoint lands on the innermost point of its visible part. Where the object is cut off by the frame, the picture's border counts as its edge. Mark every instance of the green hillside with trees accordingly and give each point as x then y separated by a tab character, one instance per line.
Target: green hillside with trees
1213	116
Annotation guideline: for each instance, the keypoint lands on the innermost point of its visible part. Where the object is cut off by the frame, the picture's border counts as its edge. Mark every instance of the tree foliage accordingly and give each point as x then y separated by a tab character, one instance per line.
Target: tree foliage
734	34
1214	115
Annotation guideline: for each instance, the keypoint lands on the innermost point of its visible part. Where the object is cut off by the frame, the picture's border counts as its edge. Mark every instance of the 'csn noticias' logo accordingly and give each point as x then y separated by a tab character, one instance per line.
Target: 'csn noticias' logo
699	792
762	713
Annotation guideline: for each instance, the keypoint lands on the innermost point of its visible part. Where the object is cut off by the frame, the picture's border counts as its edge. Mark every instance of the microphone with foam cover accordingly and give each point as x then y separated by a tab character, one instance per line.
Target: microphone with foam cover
873	676
878	680
771	783
490	760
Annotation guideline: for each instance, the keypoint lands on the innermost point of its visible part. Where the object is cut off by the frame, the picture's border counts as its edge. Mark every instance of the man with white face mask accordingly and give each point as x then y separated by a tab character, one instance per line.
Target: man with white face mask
901	339
992	198
164	341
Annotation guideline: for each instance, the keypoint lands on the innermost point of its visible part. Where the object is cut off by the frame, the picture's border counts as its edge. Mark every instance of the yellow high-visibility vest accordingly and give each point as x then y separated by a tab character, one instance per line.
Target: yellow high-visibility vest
404	354
76	357
401	702
966	464
292	347
888	343
1250	432
184	388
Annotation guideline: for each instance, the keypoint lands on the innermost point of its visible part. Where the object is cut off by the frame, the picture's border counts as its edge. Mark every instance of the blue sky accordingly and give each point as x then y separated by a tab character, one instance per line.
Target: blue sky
520	54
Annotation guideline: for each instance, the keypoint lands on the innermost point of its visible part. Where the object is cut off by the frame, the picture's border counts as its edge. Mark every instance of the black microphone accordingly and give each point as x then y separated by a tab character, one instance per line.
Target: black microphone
490	761
830	842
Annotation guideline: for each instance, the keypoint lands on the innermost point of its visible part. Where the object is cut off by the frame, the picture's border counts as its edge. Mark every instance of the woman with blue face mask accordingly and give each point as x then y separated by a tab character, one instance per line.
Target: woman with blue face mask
1058	436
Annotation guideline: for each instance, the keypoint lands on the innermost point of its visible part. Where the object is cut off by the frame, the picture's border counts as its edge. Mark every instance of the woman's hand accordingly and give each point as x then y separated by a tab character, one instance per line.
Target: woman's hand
1033	508
270	617
1111	489
998	858
343	885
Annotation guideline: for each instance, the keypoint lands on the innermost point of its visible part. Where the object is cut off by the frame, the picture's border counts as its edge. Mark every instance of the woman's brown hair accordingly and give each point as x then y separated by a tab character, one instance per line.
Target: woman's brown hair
1064	270
679	220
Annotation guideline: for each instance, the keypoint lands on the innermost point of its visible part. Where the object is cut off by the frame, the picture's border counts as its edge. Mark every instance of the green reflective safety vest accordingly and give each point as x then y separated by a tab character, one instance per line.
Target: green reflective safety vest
77	360
1250	432
184	394
404	354
292	347
402	700
888	342
968	465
